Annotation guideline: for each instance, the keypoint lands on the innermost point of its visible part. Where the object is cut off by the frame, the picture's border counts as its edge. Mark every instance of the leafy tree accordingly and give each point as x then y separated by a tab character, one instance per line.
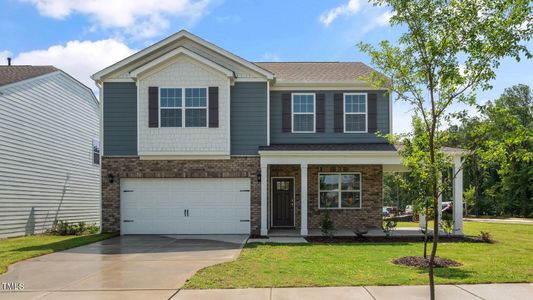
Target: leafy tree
503	154
449	50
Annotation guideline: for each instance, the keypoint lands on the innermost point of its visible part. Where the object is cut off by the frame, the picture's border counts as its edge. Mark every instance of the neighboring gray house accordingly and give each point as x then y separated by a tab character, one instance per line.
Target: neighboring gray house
197	140
49	150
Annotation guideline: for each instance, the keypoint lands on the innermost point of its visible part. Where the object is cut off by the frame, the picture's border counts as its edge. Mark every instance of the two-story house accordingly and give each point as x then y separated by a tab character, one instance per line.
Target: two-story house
197	140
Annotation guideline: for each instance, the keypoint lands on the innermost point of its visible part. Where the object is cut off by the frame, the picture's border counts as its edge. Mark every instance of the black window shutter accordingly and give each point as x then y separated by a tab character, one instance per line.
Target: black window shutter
286	111
338	111
372	112
213	106
153	106
320	112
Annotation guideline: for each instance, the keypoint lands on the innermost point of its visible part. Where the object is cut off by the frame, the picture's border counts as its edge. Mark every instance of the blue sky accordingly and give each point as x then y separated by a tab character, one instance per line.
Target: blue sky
84	36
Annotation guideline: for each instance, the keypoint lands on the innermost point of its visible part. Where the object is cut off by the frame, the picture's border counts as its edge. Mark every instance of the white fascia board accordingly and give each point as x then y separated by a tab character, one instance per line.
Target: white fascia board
181	51
323	85
182	33
331	157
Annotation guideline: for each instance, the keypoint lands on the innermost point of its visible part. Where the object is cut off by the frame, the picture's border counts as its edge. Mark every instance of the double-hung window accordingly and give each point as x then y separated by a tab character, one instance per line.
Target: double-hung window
339	190
355	112
303	113
171	107
183	107
196	107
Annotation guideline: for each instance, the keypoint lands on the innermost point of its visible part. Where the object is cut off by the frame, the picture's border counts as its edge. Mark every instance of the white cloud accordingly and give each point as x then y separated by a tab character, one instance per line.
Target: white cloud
80	59
353	7
3	57
384	18
142	19
270	57
381	20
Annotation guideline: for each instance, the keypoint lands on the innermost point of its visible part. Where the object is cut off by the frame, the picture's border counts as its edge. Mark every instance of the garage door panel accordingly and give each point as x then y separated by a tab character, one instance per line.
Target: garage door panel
216	206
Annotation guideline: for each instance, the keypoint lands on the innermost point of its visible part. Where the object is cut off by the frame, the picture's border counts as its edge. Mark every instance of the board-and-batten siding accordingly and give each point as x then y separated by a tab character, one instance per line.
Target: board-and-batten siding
329	136
120	118
248	117
47	125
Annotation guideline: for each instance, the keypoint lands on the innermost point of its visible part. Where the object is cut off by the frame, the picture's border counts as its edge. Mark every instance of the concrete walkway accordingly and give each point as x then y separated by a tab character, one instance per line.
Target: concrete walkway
519	291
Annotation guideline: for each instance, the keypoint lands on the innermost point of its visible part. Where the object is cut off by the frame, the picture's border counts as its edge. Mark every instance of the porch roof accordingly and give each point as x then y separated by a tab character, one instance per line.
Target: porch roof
331	147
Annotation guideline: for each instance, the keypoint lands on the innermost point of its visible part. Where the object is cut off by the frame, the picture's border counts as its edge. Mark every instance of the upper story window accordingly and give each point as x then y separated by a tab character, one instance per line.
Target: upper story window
303	112
171	107
196	107
355	112
178	113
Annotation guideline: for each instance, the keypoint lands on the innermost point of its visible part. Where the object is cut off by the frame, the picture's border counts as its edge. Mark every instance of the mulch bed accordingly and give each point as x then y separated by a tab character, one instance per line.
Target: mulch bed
421	262
389	239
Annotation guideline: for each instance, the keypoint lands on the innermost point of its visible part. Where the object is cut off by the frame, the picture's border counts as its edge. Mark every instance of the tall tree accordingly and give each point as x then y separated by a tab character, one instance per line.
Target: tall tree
449	50
505	135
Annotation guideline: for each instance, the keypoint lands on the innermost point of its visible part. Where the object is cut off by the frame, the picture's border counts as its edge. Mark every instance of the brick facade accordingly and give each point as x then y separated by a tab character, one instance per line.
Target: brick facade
133	167
369	216
246	167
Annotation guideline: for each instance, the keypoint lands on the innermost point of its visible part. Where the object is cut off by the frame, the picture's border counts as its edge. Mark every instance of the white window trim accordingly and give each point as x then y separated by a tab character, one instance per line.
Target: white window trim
303	113
183	107
93	152
354	113
340	190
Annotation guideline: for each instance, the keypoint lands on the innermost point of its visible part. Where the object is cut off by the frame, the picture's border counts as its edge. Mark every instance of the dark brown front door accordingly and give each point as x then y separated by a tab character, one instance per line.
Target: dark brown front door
283	202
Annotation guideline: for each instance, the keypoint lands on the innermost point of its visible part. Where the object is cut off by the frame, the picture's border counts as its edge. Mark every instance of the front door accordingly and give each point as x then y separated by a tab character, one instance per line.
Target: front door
283	202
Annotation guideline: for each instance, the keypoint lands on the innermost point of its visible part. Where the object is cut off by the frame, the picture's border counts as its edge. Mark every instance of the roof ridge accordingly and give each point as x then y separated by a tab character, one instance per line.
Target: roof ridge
304	62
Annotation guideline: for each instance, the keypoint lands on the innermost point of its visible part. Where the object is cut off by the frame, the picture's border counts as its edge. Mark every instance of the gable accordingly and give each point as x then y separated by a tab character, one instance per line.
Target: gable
240	67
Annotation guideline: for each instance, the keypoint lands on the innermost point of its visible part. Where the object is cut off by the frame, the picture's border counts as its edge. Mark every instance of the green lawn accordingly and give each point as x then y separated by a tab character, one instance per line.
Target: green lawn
17	249
508	260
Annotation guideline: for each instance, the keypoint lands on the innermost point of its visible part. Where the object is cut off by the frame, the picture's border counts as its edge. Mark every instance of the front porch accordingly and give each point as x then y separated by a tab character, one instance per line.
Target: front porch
298	189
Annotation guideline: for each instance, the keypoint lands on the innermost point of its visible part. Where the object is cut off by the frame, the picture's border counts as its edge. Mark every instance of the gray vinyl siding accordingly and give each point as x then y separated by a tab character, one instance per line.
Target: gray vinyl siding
329	136
120	118
47	125
248	117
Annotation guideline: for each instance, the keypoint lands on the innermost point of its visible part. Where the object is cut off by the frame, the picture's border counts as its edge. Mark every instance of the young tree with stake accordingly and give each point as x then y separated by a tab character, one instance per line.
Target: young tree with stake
449	50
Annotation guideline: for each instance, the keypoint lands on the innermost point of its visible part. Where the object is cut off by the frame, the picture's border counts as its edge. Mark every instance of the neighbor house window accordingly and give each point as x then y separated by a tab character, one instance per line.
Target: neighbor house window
96	152
175	112
303	112
355	113
171	107
339	190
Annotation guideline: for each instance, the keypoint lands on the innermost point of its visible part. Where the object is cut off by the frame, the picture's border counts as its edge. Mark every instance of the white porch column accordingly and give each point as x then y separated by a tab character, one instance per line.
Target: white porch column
439	201
264	200
303	192
458	197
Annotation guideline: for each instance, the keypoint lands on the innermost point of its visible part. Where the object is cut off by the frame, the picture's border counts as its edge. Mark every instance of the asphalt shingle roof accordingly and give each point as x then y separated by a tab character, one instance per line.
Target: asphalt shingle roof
12	74
316	71
330	147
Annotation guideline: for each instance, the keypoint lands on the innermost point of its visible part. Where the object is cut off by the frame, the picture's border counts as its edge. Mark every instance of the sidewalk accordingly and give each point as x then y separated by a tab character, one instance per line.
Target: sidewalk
502	221
513	291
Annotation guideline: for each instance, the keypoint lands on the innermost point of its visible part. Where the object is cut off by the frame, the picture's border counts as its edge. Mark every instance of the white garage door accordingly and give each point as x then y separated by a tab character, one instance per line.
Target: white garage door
185	206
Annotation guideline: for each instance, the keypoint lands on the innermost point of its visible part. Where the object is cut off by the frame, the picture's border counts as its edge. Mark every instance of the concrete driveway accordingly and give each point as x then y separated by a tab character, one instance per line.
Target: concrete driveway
126	267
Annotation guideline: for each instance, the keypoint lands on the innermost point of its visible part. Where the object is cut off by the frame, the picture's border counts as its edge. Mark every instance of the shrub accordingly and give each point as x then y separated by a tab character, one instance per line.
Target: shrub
486	237
388	226
66	228
447	223
326	225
